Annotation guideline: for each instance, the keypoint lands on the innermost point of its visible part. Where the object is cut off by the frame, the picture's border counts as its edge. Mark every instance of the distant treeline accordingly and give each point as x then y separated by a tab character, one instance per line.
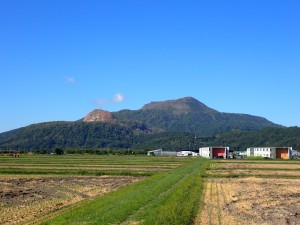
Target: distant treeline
105	151
235	139
100	138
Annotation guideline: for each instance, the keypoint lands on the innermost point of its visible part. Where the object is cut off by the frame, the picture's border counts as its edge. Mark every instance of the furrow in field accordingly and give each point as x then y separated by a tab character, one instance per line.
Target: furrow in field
215	212
211	213
257	166
253	172
87	168
205	216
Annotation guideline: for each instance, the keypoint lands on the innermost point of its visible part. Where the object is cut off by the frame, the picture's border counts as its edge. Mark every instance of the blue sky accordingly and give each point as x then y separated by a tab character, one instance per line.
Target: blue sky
61	59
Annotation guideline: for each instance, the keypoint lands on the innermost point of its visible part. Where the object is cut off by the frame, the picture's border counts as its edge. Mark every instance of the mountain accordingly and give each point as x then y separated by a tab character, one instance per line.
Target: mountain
180	106
79	134
175	122
99	115
189	115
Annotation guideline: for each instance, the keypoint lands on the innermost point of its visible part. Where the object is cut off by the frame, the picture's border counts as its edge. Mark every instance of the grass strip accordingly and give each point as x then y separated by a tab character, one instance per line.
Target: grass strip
81	159
177	207
75	172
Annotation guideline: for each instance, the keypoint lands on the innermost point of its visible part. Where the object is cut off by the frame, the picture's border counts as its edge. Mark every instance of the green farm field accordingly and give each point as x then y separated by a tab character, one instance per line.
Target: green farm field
92	189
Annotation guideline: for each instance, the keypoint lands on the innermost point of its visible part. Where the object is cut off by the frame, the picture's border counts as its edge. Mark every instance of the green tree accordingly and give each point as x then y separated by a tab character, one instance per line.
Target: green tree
59	151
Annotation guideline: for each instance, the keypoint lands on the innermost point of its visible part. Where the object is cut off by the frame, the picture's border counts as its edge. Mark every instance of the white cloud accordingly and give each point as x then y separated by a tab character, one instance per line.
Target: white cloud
70	80
118	98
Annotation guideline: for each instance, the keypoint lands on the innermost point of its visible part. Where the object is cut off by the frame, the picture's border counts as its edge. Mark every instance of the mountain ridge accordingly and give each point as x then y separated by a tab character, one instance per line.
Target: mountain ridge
190	115
166	120
179	106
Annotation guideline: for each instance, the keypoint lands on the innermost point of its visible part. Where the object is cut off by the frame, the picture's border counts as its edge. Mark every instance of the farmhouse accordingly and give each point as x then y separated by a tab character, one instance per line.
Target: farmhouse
271	152
214	152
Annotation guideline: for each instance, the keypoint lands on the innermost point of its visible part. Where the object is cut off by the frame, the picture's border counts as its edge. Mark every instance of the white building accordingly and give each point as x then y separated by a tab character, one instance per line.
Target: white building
160	152
295	153
243	153
187	153
271	152
155	152
214	152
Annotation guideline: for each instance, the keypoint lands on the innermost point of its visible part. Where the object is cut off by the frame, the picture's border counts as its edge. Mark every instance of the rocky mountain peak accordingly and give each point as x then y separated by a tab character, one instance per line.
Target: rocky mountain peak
99	115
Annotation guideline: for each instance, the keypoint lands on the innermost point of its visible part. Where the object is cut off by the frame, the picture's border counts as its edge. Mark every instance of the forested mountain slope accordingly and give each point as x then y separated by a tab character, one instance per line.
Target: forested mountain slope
171	124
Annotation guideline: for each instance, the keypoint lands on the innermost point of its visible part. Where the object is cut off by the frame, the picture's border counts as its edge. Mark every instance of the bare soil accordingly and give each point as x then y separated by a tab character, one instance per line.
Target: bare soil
251	201
24	199
257	172
256	165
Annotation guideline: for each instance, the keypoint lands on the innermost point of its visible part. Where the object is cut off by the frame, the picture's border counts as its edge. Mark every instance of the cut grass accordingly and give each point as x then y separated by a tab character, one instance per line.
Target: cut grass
178	205
91	159
228	169
268	161
88	165
74	172
233	166
175	195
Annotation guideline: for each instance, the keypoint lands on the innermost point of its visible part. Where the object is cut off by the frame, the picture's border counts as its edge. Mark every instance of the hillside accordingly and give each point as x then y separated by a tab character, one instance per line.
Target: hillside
236	140
189	115
170	124
47	136
80	135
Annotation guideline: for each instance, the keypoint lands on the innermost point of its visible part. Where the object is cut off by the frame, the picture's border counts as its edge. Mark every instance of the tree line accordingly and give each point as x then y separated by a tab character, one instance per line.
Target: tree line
98	138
